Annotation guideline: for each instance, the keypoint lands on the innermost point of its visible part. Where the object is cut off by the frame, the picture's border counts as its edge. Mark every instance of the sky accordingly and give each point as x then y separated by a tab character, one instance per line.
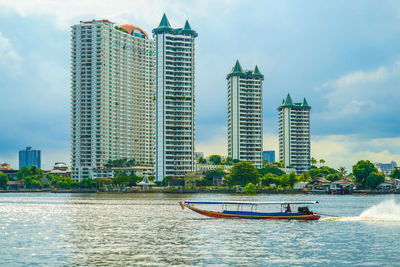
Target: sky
342	56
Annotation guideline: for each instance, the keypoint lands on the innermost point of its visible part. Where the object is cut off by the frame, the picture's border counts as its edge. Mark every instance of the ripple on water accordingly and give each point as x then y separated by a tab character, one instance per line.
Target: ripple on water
150	229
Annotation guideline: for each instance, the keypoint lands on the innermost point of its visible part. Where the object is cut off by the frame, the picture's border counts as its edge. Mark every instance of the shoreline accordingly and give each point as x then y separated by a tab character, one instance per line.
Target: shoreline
184	191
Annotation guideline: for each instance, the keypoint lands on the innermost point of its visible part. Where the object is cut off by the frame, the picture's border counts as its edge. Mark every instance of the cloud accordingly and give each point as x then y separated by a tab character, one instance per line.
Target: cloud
9	58
67	12
347	150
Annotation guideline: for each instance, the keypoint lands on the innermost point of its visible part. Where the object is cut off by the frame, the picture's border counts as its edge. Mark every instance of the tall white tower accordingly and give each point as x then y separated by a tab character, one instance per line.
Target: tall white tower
294	134
245	119
174	100
112	95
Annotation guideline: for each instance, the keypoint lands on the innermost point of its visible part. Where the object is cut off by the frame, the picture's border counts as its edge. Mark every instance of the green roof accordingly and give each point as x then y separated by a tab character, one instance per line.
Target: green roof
164	22
166	27
238	71
289	103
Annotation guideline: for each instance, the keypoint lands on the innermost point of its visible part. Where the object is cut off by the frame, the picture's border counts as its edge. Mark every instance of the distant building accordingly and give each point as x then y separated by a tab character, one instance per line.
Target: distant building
5	166
60	168
207	167
386	168
269	156
174	100
245	117
198	155
29	157
294	134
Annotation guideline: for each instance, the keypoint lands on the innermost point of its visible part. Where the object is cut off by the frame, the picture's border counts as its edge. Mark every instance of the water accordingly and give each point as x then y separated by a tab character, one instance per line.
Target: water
152	230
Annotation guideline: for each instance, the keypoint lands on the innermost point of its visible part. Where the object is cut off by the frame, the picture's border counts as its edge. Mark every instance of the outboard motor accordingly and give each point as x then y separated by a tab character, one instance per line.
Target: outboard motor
305	211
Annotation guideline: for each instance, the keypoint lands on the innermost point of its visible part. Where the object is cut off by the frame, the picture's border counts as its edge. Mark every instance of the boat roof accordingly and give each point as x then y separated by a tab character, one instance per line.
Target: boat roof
251	202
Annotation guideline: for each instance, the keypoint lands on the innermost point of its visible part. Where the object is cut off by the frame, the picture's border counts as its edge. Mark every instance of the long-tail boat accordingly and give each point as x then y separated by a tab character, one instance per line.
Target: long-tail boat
248	210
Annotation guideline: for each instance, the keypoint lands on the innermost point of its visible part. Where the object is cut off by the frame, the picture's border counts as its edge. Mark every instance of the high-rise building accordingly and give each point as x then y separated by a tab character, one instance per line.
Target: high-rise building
174	100
269	156
29	157
245	117
294	134
112	95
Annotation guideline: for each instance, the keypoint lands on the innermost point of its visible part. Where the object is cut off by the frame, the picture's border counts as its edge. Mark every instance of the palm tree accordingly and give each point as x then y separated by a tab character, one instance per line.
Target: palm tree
321	162
342	172
313	161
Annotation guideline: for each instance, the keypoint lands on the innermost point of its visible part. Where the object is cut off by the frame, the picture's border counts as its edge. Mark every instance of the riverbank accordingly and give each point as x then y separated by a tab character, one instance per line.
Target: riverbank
181	191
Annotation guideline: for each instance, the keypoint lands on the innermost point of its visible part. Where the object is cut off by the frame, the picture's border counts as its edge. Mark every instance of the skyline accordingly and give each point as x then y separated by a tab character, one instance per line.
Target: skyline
348	65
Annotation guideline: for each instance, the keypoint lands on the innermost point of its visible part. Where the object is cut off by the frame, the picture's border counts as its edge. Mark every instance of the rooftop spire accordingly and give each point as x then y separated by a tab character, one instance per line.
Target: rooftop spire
305	104
164	22
187	26
256	71
237	68
288	101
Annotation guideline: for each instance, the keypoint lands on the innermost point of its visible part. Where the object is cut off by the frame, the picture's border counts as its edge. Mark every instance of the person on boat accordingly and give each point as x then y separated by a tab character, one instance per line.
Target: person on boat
288	209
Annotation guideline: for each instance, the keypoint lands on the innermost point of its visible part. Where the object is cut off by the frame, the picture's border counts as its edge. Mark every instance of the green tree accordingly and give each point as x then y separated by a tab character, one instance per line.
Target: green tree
322	162
292	179
374	179
395	174
269	179
361	170
88	183
342	172
211	174
36	171
243	173
216	159
24	172
333	177
250	189
313	161
3	180
202	160
229	161
271	169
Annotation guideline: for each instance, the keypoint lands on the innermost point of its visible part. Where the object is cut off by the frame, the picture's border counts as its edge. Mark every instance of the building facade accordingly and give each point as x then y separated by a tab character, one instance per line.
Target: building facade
174	100
112	113
294	134
386	168
269	156
30	157
245	117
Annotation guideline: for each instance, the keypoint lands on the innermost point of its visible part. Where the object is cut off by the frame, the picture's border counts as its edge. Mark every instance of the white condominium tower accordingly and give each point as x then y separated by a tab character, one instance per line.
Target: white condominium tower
245	119
112	95
294	134
174	100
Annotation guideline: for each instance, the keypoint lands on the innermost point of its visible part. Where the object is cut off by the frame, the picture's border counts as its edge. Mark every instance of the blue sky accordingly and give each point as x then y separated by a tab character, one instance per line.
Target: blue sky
343	56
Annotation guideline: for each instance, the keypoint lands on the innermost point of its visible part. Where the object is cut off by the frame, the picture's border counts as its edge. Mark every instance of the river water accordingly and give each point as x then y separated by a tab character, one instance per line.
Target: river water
43	229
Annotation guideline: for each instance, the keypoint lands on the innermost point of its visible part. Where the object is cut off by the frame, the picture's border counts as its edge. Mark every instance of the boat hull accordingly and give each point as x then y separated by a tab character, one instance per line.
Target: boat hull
256	215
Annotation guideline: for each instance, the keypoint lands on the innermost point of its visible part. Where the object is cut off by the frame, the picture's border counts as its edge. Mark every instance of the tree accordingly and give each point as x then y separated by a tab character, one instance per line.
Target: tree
374	179
342	172
243	173
216	159
333	177
313	161
202	160
362	170
292	179
250	189
271	169
395	174
229	161
3	180
120	163
269	179
24	172
211	174
321	162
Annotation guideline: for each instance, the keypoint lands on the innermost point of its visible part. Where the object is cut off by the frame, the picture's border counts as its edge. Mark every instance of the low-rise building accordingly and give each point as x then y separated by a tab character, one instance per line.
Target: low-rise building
207	167
5	166
386	168
108	173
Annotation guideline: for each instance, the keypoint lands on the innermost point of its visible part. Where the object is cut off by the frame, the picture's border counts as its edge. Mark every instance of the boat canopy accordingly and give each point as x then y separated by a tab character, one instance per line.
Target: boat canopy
251	202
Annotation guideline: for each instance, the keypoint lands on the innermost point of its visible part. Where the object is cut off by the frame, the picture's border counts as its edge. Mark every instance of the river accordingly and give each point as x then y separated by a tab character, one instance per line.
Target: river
44	229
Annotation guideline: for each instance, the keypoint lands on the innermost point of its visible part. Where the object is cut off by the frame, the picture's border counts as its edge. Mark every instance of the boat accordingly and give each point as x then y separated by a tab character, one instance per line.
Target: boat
248	210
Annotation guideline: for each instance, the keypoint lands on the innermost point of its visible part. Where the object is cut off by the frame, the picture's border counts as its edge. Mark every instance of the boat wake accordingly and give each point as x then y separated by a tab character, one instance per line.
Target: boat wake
385	211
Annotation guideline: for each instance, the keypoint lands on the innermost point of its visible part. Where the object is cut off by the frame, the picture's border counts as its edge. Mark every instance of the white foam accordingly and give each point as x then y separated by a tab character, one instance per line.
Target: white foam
387	210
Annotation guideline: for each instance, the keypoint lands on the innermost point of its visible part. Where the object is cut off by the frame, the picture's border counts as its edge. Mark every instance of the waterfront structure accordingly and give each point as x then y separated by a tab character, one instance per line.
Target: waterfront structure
30	157
294	134
112	112
245	117
269	156
174	100
108	173
386	168
5	166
